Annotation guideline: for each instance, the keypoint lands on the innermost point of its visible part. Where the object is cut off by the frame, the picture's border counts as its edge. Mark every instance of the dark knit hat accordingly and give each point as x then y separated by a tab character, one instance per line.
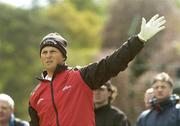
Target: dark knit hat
55	40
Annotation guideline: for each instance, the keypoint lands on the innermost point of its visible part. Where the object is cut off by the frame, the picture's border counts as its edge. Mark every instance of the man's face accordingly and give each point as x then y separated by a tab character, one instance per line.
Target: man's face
101	95
5	111
50	57
162	90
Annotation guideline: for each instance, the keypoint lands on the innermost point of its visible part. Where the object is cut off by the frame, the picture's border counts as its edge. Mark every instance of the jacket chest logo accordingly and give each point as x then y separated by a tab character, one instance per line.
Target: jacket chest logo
40	100
66	87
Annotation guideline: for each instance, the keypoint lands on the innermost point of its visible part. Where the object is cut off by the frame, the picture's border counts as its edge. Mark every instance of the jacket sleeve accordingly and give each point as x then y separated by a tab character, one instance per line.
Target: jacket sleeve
141	120
121	120
33	116
178	112
19	122
96	74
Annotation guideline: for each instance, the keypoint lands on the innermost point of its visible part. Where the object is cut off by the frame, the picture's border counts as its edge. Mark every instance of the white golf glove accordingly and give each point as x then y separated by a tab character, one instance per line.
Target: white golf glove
153	26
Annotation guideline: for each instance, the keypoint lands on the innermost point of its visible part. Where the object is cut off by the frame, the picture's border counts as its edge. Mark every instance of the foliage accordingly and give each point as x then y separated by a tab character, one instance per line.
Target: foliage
18	54
97	6
177	2
75	25
81	56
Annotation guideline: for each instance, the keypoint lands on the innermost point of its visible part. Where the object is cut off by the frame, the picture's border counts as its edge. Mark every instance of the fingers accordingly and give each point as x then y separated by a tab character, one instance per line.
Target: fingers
143	23
159	24
154	18
160	19
161	28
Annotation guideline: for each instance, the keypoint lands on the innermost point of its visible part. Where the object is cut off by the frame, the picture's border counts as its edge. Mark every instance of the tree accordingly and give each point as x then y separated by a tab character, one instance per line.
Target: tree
97	6
20	31
53	2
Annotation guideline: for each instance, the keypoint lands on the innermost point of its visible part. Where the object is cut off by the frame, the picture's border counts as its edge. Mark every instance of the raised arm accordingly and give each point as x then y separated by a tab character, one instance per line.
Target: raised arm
98	73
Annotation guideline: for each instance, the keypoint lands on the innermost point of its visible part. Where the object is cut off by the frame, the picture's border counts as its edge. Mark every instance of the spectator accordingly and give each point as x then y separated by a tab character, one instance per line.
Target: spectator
147	97
165	108
7	117
64	96
105	113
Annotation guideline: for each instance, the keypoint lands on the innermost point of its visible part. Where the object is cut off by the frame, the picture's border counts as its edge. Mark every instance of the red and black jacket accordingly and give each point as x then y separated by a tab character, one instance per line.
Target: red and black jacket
67	100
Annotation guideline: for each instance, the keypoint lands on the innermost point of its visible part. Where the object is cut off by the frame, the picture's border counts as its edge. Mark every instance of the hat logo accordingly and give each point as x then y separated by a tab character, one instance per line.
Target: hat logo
48	41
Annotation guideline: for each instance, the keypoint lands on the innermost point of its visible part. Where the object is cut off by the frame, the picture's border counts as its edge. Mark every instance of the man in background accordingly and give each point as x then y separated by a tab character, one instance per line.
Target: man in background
165	109
7	117
105	113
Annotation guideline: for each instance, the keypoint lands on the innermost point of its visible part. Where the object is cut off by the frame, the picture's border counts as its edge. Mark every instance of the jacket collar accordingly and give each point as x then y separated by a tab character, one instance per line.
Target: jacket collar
11	120
102	108
59	68
167	103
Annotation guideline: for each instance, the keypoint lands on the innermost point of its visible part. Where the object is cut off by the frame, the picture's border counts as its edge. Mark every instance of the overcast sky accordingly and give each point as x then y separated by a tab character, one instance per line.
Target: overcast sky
22	3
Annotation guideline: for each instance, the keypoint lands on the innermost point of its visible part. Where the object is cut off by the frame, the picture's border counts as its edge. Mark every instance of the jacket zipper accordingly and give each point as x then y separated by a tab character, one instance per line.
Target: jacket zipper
54	105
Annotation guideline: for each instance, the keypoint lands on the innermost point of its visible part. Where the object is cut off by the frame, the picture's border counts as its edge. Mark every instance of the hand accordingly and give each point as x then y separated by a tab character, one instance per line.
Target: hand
152	27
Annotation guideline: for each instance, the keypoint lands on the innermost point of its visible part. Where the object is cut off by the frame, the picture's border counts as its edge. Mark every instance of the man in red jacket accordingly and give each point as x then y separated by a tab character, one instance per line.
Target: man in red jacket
64	96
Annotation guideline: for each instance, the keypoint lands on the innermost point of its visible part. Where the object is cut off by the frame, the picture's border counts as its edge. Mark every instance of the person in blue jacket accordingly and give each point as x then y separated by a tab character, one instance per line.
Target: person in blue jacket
165	110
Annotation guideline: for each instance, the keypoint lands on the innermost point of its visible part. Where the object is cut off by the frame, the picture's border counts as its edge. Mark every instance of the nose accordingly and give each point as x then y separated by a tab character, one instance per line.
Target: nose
159	89
48	54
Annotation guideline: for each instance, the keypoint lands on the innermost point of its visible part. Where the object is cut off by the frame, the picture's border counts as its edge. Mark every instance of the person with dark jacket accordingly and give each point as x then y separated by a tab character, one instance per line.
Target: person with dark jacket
105	113
7	117
64	96
165	110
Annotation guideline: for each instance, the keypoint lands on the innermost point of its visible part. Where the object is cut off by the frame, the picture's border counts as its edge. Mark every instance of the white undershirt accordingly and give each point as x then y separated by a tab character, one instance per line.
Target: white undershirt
48	78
